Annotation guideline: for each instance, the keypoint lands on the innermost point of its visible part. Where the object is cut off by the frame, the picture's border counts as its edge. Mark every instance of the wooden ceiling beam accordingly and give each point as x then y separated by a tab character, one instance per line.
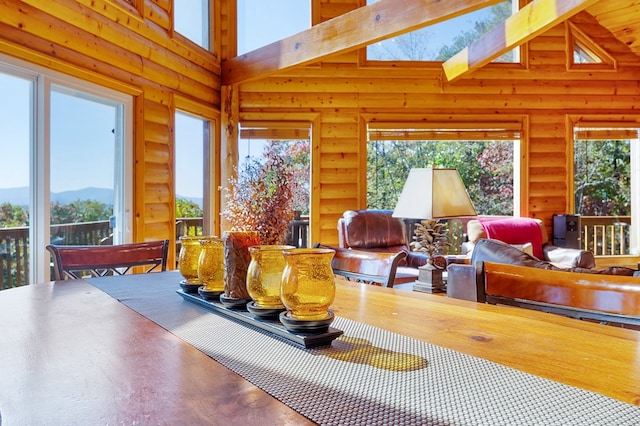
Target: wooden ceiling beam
530	21
344	33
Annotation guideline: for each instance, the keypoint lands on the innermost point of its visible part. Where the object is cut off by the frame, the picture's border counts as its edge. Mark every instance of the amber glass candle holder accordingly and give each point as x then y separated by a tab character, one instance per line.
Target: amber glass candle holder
308	285
188	258
211	264
236	262
264	275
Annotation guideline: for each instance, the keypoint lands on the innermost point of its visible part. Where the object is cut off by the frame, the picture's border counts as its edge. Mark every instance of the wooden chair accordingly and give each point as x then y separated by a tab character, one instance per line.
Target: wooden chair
75	262
366	266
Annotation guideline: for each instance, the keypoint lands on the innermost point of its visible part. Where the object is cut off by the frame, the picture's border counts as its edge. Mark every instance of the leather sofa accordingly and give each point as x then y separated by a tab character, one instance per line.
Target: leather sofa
502	274
461	282
519	231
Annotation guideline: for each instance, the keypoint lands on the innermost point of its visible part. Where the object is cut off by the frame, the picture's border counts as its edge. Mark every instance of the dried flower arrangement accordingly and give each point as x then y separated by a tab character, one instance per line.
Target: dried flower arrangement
430	238
261	198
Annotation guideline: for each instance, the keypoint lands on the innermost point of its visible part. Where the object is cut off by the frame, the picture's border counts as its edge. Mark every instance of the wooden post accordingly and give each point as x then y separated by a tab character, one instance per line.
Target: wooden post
229	143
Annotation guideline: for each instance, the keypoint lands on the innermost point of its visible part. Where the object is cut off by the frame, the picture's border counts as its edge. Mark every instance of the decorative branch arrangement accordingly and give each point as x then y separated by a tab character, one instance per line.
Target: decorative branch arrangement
261	199
430	238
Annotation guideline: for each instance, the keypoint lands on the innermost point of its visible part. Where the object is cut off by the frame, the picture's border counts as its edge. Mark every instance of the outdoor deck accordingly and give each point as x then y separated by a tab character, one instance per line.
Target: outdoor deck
604	236
14	242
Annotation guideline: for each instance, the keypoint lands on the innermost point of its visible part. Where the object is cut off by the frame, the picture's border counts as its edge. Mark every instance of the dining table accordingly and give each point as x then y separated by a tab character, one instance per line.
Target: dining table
134	349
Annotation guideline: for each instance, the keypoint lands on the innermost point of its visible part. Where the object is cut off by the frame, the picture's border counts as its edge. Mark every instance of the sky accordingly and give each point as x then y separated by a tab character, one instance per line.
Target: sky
82	139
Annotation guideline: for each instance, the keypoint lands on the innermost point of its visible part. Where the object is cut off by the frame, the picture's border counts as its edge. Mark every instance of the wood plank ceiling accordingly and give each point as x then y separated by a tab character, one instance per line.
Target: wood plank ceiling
621	17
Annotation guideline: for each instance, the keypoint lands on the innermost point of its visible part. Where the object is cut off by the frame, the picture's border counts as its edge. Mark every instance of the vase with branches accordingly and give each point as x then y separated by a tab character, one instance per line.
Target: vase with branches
261	198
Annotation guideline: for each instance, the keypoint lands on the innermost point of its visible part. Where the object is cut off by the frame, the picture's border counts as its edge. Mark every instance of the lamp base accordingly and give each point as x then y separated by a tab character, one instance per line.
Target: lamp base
429	280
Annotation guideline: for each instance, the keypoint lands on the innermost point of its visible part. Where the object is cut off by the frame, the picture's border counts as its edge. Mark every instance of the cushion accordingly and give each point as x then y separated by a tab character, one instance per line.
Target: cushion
511	230
526	247
475	231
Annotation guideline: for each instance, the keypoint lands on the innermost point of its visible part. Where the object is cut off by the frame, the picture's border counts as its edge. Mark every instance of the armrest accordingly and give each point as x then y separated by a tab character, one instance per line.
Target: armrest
569	257
415	259
463	283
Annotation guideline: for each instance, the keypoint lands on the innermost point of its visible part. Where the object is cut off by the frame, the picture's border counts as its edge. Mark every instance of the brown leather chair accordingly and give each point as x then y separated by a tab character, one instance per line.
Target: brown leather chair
379	231
368	267
75	262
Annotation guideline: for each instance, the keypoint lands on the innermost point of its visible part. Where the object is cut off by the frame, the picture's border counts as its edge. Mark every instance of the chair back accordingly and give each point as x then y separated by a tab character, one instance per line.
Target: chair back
375	230
366	266
75	262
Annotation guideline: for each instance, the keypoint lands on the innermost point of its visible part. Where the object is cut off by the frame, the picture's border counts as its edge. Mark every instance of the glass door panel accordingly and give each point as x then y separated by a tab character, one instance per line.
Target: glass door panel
16	118
86	168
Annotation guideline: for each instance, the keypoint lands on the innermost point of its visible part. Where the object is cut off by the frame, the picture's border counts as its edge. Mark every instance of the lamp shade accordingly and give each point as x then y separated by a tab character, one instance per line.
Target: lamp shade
432	193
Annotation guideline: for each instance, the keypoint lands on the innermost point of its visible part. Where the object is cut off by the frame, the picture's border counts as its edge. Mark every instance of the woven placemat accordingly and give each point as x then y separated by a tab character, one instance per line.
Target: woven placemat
369	375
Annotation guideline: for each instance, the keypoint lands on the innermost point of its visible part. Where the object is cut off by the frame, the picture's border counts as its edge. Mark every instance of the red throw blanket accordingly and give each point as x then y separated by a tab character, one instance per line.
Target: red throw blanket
516	230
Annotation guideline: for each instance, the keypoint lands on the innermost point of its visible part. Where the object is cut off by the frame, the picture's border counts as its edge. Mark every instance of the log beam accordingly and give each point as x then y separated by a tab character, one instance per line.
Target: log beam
530	21
344	33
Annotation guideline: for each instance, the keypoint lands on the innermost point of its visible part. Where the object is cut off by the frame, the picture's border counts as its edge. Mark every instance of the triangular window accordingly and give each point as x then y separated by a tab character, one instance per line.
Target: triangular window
585	54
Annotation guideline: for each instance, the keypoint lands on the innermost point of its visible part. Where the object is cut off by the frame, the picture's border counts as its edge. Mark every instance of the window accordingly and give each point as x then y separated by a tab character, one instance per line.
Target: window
191	148
605	186
78	137
260	144
285	18
191	19
196	182
486	158
441	41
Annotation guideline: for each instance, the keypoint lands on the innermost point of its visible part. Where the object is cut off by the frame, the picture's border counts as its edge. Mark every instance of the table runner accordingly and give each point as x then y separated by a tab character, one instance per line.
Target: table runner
369	375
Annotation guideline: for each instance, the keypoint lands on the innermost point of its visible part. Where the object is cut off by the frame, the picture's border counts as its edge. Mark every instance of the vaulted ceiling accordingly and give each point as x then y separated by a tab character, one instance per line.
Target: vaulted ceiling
622	18
387	18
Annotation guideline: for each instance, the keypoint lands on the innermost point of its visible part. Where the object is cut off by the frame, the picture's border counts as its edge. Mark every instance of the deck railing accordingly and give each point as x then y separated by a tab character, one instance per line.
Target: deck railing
604	236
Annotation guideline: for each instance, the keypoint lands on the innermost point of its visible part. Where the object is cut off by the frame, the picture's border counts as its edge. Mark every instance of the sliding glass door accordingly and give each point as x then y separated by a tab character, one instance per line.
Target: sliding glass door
68	156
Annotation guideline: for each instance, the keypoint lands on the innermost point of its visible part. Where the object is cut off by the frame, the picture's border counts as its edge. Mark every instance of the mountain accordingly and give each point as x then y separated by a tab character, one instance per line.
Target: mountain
102	195
20	196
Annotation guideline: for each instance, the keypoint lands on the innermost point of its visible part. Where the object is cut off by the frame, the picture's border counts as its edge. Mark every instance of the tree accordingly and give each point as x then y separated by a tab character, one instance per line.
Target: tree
498	13
412	46
297	155
486	168
602	177
80	211
187	208
12	216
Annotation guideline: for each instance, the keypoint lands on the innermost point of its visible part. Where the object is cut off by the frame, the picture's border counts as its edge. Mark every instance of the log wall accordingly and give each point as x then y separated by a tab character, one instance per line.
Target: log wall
347	92
111	43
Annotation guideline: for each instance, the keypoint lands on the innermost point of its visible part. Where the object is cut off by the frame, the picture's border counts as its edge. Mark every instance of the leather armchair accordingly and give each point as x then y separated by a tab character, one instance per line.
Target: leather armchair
378	231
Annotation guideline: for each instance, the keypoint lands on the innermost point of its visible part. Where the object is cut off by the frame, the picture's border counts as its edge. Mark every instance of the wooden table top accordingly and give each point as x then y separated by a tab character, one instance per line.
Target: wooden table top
71	352
591	356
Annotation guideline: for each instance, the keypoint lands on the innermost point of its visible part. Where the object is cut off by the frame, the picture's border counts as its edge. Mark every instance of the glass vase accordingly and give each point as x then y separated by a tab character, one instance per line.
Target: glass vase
308	285
264	275
188	258
211	264
236	262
